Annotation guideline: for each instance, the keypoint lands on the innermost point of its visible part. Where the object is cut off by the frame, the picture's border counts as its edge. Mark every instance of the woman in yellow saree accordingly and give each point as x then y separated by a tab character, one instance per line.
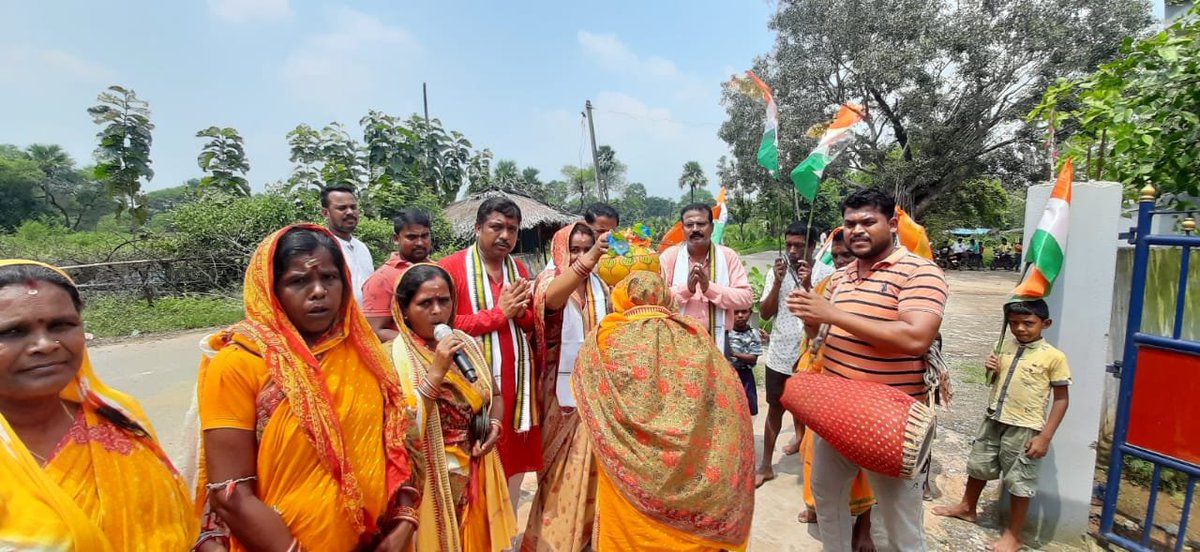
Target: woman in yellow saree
304	421
80	466
669	425
464	502
569	301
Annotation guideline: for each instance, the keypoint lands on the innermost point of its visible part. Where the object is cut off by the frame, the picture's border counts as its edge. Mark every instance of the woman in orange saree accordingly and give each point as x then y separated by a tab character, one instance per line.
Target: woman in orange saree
80	465
670	428
305	426
464	502
569	301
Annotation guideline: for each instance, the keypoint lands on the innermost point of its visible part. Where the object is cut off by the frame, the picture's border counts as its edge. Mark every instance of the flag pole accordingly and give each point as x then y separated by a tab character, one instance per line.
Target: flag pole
1004	326
779	227
812	208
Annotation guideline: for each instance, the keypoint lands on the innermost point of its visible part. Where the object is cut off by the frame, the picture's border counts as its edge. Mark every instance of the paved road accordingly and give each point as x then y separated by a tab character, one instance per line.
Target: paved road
161	373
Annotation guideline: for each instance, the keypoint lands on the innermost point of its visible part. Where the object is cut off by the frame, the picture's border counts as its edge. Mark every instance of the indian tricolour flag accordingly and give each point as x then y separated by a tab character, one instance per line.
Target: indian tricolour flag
807	175
1048	246
722	212
768	148
822	265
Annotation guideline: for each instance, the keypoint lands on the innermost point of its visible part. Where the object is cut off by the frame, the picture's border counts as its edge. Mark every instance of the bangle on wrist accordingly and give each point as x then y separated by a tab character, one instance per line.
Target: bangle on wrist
427	389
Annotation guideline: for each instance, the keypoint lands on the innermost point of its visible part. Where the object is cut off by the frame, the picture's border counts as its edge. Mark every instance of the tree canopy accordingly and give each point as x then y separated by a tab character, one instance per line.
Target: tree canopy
947	85
224	159
123	155
1136	120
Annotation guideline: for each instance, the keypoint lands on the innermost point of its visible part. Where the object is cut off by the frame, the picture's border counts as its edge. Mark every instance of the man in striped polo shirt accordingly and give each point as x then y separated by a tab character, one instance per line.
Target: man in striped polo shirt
883	313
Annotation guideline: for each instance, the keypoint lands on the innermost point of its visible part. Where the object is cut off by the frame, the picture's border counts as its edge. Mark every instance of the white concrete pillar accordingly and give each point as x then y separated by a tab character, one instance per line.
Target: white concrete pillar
1081	307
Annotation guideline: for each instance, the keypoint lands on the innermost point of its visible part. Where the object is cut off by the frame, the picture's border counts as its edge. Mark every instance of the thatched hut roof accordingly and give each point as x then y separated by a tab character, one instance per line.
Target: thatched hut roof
534	214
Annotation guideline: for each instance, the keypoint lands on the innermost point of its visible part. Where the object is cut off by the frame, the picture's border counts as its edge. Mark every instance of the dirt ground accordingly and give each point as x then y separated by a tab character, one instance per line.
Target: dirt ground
161	372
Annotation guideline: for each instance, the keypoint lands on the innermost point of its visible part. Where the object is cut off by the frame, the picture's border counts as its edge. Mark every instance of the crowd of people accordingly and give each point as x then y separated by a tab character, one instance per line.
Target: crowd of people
401	408
959	255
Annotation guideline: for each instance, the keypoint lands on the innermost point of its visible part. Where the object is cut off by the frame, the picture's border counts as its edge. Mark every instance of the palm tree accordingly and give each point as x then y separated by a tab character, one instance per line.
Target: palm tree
692	178
506	175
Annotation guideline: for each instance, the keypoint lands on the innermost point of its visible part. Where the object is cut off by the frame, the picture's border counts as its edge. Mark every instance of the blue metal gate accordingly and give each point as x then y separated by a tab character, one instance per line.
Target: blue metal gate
1156	402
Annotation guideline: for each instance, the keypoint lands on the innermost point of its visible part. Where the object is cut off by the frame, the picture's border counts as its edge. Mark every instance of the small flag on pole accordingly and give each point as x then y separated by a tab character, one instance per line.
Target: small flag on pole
722	212
912	235
1048	246
807	175
823	258
768	148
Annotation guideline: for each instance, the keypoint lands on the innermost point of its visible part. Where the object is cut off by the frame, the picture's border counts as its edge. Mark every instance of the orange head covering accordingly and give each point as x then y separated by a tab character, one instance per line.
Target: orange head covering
297	371
94	395
667	416
43	515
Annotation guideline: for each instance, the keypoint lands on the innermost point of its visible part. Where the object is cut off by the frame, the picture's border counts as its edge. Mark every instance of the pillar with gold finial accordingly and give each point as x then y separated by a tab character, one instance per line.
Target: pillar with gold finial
1148	192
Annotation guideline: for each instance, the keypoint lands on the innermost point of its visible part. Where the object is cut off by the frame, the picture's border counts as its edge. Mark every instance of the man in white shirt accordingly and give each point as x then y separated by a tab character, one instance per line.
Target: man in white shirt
786	333
339	206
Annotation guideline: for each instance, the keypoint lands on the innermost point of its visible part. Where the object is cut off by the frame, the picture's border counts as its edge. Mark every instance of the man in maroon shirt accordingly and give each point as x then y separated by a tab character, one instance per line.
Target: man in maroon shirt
414	243
495	304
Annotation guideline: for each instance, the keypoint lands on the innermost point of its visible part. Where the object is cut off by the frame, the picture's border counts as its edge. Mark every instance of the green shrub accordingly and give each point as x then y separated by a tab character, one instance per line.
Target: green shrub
231	225
757	282
112	315
1141	472
56	245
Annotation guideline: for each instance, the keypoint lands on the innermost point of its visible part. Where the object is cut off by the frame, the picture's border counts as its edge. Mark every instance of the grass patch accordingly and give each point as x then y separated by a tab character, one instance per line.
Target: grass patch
1141	472
974	373
121	315
757	248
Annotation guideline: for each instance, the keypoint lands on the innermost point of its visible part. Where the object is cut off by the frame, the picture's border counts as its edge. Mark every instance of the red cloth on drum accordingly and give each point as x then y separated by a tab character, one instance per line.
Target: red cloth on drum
866	422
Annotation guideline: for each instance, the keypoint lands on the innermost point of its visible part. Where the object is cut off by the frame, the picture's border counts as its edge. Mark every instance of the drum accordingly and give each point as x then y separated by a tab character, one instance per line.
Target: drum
875	426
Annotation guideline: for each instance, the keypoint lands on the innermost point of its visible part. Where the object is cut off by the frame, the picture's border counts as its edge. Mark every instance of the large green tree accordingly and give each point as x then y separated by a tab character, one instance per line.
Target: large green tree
947	84
692	178
19	177
581	187
612	172
70	192
506	175
343	158
419	156
123	155
305	144
224	159
1137	119
632	203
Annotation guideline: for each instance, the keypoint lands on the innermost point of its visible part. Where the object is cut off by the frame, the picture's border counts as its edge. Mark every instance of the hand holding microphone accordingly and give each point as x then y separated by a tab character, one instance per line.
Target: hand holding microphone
451	347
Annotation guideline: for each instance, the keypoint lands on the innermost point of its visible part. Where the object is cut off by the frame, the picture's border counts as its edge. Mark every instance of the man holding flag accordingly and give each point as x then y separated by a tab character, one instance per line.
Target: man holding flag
706	278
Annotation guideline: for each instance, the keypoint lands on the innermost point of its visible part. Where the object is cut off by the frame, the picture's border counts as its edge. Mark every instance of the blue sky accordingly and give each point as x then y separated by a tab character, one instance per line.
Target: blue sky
512	76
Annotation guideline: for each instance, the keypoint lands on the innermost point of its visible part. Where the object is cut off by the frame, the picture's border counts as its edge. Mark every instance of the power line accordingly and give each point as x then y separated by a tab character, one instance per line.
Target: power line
659	119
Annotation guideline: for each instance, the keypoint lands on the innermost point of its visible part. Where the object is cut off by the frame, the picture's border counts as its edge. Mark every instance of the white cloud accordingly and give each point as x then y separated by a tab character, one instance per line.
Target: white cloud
341	64
242	11
616	56
28	65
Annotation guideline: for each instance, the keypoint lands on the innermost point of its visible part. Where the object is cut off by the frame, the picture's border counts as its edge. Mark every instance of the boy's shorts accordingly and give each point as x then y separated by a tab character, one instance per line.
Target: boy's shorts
775	383
999	450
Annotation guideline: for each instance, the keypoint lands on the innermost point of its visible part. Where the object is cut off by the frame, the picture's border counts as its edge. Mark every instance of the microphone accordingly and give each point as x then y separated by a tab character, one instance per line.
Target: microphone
442	331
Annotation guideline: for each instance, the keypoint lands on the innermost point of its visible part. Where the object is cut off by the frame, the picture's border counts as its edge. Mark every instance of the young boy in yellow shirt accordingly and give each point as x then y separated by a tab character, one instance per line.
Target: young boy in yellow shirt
1016	430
